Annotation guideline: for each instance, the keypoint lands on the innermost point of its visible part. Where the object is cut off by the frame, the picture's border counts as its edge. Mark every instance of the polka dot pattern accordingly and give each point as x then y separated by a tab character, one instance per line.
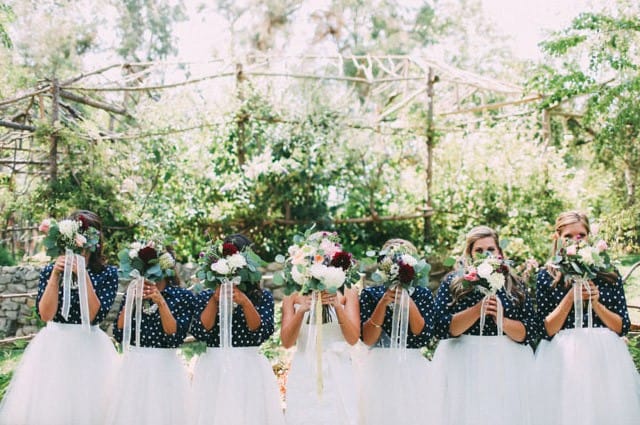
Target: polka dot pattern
181	304
423	299
611	296
105	285
241	336
523	312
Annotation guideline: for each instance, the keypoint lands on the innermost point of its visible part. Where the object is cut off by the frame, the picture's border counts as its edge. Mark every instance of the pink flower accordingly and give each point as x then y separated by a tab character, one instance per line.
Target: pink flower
472	276
571	250
44	226
80	240
601	246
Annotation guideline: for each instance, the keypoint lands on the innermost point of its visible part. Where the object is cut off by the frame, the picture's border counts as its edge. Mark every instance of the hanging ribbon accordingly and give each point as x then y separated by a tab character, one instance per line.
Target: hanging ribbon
67	282
225	309
314	337
134	293
483	314
400	322
578	283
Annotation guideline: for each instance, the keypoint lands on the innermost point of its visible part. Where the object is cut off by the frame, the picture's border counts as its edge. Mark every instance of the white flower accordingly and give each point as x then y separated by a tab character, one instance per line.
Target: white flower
409	259
166	261
318	271
68	228
300	256
334	277
136	246
394	269
586	254
496	282
484	270
236	261
221	267
299	277
133	253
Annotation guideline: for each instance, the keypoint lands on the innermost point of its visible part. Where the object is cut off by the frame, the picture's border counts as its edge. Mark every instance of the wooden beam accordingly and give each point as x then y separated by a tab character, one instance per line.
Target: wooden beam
16	126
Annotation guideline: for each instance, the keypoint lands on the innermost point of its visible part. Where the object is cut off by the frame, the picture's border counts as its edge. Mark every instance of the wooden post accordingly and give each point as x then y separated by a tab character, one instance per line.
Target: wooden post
430	145
241	117
53	148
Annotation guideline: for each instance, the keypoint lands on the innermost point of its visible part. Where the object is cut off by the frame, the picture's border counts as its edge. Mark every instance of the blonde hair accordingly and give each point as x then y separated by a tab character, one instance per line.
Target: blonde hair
564	219
513	284
411	248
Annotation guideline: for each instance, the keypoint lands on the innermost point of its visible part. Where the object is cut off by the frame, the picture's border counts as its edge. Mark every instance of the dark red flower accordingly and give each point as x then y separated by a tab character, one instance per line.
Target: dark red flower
147	254
406	273
341	259
228	249
84	222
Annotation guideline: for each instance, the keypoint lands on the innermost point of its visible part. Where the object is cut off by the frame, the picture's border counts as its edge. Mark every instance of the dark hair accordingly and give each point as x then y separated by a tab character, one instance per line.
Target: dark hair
239	240
97	261
254	291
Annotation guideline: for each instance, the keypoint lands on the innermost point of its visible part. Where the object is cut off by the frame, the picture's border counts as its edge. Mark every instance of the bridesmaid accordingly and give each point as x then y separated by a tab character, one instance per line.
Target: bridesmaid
393	376
586	375
65	373
235	386
154	370
486	377
336	401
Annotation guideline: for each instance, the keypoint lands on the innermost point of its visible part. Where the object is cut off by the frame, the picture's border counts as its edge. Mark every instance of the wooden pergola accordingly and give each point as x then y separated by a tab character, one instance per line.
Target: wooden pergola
386	87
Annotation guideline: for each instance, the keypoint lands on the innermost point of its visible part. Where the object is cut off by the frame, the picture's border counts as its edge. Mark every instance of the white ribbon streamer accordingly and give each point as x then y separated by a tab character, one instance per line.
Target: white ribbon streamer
314	336
134	293
578	283
67	282
400	322
225	309
483	315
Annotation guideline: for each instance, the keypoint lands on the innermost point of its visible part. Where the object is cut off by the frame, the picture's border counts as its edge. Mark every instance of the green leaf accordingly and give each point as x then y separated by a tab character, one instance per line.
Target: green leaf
449	262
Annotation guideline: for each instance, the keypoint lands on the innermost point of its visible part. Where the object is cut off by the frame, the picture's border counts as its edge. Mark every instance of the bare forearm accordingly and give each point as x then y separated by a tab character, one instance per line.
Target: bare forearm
612	320
372	328
291	323
416	321
209	314
169	324
251	316
555	320
464	320
48	305
350	328
514	329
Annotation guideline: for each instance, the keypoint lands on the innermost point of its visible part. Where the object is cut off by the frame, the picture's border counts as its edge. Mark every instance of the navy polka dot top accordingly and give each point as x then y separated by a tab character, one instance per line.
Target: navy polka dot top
105	285
241	336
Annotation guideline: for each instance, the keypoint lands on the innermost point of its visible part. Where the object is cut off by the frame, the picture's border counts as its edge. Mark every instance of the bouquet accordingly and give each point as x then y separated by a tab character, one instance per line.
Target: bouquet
222	261
72	238
398	267
316	262
74	235
579	262
580	258
486	274
145	261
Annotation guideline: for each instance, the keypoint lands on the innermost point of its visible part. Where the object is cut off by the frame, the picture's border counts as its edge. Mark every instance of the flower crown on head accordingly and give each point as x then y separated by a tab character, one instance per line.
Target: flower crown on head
316	262
150	260
75	235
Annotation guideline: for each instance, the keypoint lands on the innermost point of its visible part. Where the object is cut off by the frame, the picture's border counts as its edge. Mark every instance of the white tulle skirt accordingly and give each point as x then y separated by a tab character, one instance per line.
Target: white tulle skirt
587	377
486	380
235	386
63	378
152	388
337	403
396	388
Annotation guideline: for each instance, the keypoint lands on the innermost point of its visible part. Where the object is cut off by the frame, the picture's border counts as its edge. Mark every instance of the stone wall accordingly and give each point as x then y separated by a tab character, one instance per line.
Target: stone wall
18	316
